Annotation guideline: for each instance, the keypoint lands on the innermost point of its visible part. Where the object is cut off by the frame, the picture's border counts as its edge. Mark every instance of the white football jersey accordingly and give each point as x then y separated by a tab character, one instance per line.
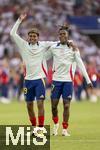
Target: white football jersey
65	60
33	55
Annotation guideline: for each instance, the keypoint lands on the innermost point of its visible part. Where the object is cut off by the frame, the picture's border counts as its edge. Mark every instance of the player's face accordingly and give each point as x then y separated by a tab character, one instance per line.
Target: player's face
33	38
63	36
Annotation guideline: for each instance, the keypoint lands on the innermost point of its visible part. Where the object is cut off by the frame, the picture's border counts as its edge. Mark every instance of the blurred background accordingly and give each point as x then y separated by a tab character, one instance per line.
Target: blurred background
84	19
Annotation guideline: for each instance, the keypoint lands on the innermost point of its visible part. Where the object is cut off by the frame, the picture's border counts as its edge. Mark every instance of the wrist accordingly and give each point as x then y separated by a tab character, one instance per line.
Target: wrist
19	20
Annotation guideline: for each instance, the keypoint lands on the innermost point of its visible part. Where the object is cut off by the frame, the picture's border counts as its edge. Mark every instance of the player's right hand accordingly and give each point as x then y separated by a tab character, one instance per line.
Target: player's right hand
23	16
90	86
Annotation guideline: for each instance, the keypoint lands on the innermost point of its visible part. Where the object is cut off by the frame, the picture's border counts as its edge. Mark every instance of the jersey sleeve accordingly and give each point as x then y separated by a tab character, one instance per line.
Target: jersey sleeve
48	53
17	39
81	65
48	49
73	68
48	44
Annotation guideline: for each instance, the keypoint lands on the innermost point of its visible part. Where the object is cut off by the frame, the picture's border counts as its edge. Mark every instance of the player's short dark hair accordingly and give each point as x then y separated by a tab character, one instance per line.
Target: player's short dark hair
34	30
64	27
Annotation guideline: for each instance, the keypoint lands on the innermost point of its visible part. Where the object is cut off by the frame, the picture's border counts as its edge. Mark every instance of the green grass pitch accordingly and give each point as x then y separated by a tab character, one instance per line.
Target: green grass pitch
84	124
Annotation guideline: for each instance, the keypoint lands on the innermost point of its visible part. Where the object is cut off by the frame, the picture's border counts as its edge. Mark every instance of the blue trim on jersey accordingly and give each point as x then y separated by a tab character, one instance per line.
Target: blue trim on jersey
34	89
58	44
64	89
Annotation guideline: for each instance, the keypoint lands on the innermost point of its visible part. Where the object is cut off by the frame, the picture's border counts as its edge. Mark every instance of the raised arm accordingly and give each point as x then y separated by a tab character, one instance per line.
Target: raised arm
18	40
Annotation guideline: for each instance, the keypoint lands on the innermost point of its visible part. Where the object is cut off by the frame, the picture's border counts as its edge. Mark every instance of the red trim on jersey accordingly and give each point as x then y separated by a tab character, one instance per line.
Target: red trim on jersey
24	71
71	75
44	70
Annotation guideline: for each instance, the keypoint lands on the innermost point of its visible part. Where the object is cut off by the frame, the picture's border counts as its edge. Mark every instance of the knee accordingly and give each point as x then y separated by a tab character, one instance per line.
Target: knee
29	107
54	108
40	106
66	106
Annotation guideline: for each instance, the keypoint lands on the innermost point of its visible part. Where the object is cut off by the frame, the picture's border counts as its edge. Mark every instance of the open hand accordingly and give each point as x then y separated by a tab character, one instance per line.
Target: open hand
23	16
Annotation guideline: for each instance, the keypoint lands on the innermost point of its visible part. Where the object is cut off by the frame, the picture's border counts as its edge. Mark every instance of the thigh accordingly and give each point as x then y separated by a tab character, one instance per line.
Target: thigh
29	90
56	90
40	89
29	94
67	91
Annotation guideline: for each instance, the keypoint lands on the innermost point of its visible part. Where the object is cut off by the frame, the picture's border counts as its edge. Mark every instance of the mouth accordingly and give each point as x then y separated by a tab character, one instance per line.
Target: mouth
63	39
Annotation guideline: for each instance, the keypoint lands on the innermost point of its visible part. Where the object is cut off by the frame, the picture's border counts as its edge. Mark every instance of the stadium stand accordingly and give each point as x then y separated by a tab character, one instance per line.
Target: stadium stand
47	15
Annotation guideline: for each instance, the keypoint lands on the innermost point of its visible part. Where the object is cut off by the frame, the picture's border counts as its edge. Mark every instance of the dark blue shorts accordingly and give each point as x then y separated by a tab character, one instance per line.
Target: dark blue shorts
34	89
64	89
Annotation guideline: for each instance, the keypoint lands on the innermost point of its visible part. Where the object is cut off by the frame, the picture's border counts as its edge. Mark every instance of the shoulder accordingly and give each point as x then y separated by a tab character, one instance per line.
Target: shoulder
47	42
55	45
73	45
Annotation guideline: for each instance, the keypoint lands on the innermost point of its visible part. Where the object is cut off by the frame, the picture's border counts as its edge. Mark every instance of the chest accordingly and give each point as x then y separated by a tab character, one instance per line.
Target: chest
36	51
63	53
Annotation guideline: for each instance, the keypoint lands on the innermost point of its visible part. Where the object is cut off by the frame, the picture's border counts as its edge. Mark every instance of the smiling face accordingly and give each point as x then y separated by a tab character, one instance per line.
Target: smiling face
33	38
63	36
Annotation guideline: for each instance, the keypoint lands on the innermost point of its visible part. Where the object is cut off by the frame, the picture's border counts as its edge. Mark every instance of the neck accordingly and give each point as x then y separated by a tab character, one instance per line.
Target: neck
64	43
33	43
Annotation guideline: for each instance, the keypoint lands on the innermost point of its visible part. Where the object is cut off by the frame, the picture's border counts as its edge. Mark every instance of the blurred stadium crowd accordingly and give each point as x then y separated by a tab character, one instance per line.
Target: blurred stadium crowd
47	15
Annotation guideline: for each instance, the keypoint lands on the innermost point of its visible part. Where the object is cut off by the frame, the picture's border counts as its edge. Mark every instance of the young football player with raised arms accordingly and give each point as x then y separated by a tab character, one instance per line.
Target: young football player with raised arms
33	54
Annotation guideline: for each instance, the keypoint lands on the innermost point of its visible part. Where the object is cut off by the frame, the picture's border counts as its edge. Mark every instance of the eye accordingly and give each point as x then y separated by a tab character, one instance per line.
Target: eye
60	34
